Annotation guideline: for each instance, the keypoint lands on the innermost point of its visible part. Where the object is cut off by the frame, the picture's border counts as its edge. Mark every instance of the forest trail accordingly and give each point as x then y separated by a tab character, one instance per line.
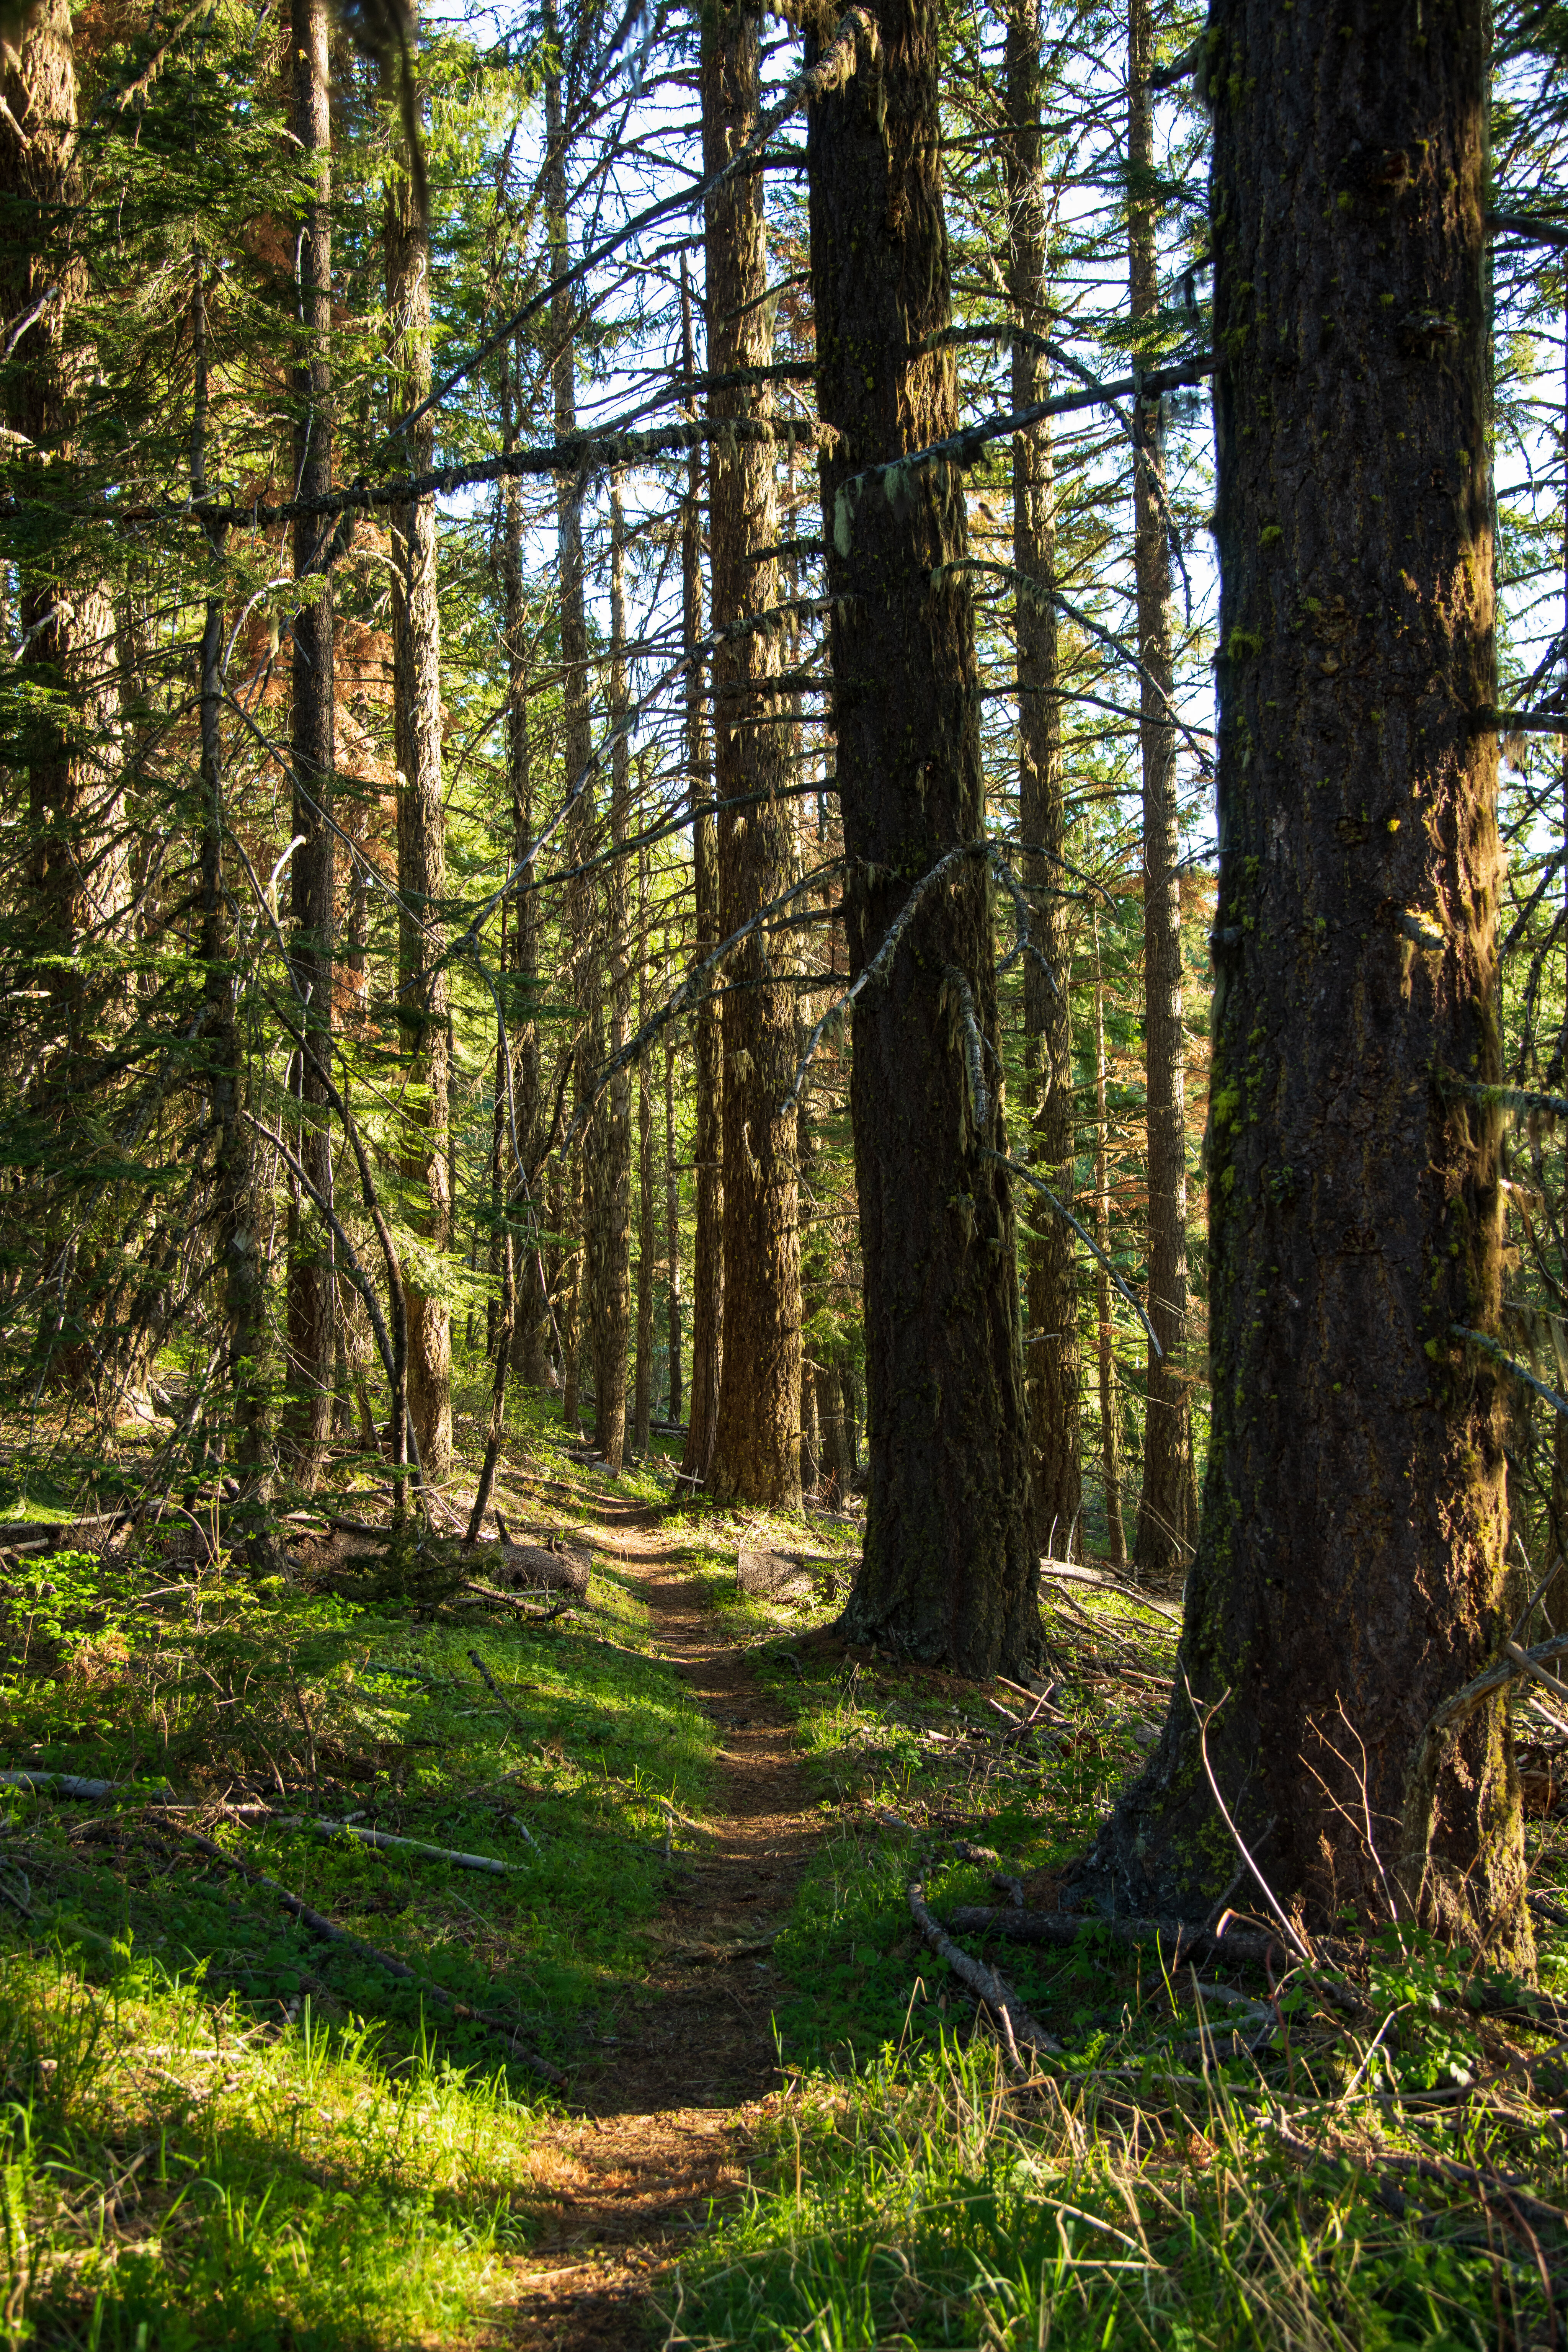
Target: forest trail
666	2126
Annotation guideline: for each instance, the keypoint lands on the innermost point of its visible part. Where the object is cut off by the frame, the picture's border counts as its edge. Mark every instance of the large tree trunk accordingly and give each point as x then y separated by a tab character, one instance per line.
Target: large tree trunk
672	1227
423	992
583	1202
756	1450
76	872
530	1307
1050	1280
642	1408
948	1571
1349	1573
1110	1432
236	1203
708	1241
312	1281
610	1228
1163	1540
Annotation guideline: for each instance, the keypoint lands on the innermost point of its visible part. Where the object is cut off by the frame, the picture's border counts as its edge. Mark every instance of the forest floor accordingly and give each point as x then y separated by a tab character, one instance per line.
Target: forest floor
429	1963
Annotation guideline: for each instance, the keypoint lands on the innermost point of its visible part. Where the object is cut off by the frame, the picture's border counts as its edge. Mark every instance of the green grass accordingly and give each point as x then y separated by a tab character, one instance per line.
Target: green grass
905	2193
353	2181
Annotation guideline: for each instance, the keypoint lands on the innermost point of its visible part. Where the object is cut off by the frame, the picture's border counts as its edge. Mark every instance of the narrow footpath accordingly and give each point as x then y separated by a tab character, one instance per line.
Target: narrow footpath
664	2129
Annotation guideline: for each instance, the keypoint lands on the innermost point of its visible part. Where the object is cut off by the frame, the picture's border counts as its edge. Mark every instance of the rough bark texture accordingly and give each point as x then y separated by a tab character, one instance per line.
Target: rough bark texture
1163	1544
672	1229
237	1203
948	1568
708	1239
1350	1573
422	990
1109	1429
76	872
530	1311
642	1407
610	1227
756	1449
1050	1278
584	1202
312	1281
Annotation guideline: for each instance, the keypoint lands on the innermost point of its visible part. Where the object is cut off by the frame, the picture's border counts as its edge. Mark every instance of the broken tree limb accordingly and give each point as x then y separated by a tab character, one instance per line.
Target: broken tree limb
331	1933
984	1983
382	1838
71	1784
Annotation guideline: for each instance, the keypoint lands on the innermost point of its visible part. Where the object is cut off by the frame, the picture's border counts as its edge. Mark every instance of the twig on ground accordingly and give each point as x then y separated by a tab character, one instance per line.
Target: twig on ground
984	1983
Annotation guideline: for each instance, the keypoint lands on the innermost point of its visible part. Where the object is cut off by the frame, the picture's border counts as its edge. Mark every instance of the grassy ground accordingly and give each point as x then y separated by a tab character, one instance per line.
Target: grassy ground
215	2127
1157	2183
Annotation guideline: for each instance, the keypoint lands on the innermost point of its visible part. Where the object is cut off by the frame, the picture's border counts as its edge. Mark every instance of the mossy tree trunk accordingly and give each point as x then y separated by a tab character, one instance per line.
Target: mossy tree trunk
424	998
1050	1278
948	1569
756	1444
312	1285
1350	1573
1163	1540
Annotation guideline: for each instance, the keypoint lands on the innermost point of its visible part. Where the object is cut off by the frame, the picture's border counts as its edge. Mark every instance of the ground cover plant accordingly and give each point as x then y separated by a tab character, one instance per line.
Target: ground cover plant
1365	2150
256	2064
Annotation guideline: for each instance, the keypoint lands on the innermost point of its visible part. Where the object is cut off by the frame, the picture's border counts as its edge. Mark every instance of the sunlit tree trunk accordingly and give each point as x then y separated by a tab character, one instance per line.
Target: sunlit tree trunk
610	1224
422	990
707	1242
1050	1279
1163	1540
1350	1572
948	1571
1110	1432
672	1229
642	1408
756	1448
312	1275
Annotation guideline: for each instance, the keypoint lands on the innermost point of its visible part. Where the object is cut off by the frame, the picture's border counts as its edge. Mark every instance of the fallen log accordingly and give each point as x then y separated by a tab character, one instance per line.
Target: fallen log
987	1987
380	1838
71	1784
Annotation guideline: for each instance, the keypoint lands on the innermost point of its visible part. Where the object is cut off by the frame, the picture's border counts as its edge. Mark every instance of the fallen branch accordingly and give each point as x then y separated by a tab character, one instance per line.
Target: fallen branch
368	1837
985	1984
1062	1573
329	1932
68	1784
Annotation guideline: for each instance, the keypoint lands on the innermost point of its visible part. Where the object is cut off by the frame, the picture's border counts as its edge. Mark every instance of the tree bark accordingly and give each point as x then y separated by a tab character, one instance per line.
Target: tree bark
311	1279
672	1227
1110	1432
708	1241
530	1309
948	1571
1349	1573
756	1448
610	1225
1163	1540
1050	1279
237	1203
642	1407
584	1204
424	1000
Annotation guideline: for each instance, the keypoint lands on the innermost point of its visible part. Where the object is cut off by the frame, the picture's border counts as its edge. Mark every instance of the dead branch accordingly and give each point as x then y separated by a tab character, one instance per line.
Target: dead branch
987	1987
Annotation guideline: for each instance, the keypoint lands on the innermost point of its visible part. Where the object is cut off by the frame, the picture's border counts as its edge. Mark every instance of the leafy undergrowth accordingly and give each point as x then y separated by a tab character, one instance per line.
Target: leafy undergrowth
210	2108
1229	2161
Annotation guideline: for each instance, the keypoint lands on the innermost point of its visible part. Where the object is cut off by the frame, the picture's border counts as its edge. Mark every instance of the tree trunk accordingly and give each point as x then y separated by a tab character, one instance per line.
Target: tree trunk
837	1459
756	1448
643	1401
1163	1540
1349	1573
530	1307
610	1225
1050	1280
584	1208
424	1002
672	1227
237	1216
948	1571
1110	1433
312	1280
708	1244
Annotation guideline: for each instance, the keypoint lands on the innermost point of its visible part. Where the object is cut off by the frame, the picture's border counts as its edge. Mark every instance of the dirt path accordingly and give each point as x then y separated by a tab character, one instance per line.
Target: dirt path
666	2126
